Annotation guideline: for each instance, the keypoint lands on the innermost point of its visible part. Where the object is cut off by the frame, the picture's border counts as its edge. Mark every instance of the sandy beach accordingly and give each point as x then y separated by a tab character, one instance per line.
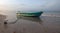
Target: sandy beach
41	24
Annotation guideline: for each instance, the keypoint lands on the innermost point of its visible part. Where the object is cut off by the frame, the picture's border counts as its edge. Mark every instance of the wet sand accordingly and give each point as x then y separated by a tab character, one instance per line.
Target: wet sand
41	24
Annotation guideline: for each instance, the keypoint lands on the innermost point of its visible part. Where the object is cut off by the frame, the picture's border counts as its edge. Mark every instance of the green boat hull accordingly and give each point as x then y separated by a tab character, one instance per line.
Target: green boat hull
36	14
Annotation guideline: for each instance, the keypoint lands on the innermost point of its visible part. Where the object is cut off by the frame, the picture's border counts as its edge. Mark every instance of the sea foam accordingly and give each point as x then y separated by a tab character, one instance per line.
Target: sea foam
51	15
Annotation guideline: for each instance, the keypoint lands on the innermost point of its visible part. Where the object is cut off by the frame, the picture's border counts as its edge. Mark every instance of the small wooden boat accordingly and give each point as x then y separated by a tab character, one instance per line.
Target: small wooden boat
31	14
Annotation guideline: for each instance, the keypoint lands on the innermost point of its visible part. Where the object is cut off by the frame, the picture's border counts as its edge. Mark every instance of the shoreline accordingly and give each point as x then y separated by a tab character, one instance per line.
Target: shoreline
44	24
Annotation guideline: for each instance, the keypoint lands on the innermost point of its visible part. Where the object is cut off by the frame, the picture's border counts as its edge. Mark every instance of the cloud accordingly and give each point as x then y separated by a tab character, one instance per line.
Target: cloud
25	5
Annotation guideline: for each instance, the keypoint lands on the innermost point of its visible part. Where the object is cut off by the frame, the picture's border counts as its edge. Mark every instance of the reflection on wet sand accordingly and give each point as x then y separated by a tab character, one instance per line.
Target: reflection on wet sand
33	19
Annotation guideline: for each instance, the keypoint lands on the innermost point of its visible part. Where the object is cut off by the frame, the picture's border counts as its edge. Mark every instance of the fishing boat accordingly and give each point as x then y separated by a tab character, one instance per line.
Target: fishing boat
29	14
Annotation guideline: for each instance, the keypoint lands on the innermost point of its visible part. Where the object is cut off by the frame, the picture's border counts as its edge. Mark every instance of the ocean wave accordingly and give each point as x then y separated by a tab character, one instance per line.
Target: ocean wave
51	15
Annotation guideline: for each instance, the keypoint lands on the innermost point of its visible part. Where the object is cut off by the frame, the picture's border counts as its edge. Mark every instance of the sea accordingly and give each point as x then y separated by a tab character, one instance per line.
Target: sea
51	13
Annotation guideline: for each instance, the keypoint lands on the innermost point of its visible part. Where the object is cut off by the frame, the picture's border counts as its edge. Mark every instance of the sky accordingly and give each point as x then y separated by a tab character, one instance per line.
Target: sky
28	5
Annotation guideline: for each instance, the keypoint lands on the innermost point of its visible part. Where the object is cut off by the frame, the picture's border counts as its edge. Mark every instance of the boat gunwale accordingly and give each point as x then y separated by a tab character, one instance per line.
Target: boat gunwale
30	12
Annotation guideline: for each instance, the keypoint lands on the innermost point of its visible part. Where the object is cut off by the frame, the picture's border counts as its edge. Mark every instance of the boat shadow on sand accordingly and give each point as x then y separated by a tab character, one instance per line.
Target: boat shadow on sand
33	19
